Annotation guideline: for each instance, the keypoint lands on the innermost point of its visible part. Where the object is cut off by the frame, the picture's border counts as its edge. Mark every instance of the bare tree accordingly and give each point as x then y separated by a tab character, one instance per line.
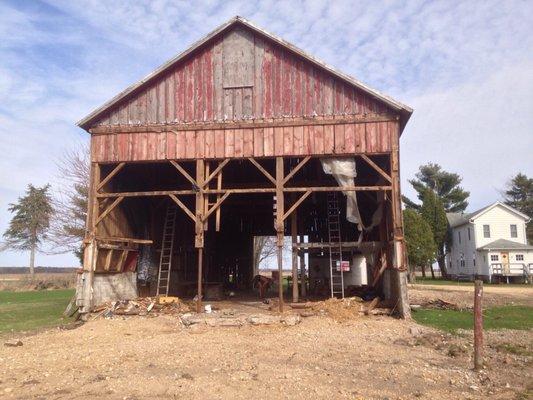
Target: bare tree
70	203
265	247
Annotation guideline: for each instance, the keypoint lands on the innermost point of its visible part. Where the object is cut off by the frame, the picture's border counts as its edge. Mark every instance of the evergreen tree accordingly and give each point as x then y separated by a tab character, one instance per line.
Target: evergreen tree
31	221
432	210
421	248
519	195
445	184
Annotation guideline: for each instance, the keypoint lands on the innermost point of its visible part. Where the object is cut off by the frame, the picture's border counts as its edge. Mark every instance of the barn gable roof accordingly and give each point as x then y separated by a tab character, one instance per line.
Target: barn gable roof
404	111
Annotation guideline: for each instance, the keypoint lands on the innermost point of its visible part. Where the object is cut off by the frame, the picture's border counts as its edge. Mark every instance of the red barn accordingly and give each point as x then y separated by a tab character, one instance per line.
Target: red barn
230	141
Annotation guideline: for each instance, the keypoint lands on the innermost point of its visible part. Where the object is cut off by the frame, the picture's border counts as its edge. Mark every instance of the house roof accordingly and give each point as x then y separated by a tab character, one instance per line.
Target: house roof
404	110
458	219
503	244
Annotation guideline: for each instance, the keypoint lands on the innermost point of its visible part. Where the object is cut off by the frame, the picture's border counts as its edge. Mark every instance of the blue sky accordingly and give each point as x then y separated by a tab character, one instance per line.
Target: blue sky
465	67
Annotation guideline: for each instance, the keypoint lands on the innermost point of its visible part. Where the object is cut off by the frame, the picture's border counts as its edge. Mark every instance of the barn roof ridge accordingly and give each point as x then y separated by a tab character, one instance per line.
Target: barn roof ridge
405	110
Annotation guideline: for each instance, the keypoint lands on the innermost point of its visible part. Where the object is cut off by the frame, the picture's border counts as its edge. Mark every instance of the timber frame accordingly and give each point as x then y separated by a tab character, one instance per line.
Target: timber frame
242	96
279	180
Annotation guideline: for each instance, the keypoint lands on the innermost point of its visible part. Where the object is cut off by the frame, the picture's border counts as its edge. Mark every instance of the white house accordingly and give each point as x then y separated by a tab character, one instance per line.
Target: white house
490	244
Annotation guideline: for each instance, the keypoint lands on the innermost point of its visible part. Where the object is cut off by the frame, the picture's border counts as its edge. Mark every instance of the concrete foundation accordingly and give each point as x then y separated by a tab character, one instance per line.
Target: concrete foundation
395	290
106	287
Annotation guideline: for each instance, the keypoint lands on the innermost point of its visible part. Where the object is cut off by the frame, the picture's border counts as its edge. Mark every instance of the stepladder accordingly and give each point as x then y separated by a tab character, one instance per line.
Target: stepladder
167	248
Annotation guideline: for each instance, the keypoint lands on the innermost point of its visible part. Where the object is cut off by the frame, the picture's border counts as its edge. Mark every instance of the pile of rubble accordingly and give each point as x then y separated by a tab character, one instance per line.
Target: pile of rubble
231	318
142	306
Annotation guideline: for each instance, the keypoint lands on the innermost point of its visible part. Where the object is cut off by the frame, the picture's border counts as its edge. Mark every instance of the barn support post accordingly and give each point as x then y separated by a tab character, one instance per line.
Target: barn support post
303	276
280	225
398	279
199	228
91	250
294	239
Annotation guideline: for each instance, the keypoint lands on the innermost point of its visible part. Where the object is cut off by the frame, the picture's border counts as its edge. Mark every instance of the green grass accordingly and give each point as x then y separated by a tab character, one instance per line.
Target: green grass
27	311
506	317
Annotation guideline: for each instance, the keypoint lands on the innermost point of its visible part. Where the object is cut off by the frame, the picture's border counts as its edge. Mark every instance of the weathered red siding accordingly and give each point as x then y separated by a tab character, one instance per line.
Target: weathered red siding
297	140
237	77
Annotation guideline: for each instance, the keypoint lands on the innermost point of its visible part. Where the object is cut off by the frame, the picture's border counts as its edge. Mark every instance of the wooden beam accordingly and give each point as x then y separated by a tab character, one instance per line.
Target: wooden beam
249	190
294	239
109	176
217	215
109	209
216	171
215	206
296	169
280	225
185	174
296	204
122	260
108	258
376	167
183	207
263	170
286	122
124	239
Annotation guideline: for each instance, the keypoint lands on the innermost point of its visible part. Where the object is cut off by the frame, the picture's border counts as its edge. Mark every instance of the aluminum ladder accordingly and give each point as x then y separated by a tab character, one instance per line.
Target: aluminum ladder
167	246
335	247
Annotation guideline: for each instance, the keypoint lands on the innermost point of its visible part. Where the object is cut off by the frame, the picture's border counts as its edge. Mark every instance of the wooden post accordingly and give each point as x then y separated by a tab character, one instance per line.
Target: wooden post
294	239
303	283
478	325
199	228
280	207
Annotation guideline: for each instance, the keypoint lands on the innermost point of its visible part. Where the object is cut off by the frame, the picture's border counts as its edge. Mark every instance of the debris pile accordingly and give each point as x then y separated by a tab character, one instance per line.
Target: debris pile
339	309
142	306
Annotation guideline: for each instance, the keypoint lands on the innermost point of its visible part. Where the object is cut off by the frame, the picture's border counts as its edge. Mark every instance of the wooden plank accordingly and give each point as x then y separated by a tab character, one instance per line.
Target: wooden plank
288	133
124	239
229	143
360	137
339	134
257	93
109	176
184	173
109	209
171	145
210	144
263	170
200	142
329	139
217	170
247	103
296	169
248	146
239	142
296	204
179	94
217	81
318	135
268	141
161	101
266	76
258	142
238	55
278	141
190	144
298	140
248	124
237	103
220	145
376	167
215	206
183	207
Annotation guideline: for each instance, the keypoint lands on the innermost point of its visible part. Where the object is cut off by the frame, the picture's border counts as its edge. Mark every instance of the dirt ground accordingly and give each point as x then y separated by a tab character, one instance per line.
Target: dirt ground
365	357
463	296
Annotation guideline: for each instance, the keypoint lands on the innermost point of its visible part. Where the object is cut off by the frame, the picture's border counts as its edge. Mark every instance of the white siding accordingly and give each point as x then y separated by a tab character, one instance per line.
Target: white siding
463	250
500	220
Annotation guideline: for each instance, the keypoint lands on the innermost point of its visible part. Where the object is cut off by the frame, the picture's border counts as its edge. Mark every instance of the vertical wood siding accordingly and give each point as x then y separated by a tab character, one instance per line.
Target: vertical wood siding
237	77
339	139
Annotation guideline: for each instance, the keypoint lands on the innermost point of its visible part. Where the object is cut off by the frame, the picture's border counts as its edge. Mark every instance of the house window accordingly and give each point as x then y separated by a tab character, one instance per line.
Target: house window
494	257
519	257
469	234
459	234
486	231
474	260
514	231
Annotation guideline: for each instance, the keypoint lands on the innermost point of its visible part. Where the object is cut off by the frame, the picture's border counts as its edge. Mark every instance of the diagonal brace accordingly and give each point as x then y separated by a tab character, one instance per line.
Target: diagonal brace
115	171
376	167
296	169
185	174
109	209
296	204
262	169
215	206
183	207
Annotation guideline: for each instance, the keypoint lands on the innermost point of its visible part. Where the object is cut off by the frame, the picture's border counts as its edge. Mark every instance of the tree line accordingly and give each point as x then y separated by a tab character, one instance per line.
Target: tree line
427	232
55	223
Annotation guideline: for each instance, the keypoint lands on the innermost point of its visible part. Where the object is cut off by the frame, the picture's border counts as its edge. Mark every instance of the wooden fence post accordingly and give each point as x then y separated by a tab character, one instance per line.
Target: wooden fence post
478	325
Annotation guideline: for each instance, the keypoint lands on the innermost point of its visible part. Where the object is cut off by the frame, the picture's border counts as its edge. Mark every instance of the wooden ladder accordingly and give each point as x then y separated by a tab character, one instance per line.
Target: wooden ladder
335	249
167	246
